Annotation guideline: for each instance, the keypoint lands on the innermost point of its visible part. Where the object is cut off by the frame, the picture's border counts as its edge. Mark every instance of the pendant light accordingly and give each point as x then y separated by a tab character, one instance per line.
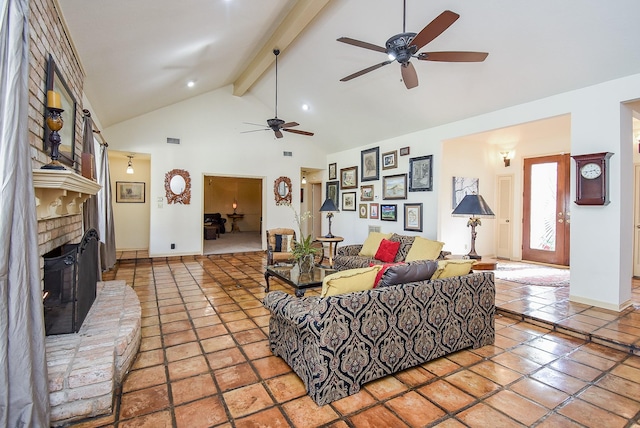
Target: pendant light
130	165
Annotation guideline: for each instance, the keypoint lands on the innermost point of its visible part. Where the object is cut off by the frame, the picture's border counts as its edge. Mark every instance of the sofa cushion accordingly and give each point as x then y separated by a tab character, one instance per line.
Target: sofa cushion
372	243
449	268
383	269
387	251
424	249
405	245
402	273
283	243
348	281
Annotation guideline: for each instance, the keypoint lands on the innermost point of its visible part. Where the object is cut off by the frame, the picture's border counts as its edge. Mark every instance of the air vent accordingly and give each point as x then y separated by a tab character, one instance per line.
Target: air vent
173	140
287	154
374	229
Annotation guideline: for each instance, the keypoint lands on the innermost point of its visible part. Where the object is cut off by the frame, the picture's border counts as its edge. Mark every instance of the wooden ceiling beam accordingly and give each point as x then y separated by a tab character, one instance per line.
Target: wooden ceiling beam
301	15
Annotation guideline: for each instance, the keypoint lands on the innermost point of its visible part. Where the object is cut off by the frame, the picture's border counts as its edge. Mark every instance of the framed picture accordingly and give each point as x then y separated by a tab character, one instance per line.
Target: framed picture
349	178
366	192
421	174
404	151
389	212
333	172
348	201
67	133
373	211
394	186
413	217
390	160
362	208
333	192
369	164
463	186
130	192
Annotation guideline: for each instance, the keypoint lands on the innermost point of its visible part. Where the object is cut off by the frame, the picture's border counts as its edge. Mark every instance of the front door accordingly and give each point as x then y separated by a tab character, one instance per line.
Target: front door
546	219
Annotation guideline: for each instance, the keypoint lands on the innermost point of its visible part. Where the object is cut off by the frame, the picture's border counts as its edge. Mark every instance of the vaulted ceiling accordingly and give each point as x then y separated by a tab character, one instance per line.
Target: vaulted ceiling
139	55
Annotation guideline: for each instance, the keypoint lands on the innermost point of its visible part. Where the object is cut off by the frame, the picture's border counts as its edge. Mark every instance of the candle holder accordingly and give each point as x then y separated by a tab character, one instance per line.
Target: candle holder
55	123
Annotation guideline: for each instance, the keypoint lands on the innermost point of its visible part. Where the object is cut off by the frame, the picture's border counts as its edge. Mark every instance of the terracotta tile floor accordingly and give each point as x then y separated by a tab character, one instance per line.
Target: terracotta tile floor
205	361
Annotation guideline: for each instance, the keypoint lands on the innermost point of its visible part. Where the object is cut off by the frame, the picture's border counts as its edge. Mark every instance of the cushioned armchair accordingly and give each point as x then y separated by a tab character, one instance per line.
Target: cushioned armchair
279	245
215	218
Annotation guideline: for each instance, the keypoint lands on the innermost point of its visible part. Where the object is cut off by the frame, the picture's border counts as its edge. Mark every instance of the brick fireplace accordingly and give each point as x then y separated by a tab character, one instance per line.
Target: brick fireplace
85	367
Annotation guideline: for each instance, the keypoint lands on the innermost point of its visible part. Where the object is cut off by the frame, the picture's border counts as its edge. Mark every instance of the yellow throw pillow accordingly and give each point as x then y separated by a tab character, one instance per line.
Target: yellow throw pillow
371	244
424	249
348	281
449	268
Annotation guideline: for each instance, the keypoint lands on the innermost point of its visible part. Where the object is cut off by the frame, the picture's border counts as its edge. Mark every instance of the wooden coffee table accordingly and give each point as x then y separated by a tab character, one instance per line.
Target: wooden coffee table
484	263
291	275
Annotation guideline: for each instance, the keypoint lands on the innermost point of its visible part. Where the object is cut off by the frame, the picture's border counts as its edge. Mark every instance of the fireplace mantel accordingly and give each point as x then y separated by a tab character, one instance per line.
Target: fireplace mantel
61	192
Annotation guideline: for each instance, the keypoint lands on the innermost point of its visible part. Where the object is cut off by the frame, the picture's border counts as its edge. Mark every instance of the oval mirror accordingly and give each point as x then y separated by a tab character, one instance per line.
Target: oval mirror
177	185
282	190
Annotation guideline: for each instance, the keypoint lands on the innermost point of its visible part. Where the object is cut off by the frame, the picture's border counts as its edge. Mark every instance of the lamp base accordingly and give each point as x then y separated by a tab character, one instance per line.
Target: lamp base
474	256
329	235
53	165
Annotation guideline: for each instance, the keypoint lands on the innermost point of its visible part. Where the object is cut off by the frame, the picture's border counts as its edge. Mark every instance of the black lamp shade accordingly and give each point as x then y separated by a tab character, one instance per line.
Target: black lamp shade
472	205
328	206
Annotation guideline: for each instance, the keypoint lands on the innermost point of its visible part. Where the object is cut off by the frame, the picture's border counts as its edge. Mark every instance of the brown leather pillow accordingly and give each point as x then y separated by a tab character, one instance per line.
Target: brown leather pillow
420	270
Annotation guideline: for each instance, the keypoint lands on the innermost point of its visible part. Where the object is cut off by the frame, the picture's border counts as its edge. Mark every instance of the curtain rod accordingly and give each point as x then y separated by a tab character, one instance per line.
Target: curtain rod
96	131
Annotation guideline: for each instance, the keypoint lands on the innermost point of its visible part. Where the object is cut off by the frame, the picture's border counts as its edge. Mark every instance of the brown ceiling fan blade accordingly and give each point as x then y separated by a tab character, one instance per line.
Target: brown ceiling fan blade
409	75
361	44
278	134
289	124
366	70
453	56
434	28
296	131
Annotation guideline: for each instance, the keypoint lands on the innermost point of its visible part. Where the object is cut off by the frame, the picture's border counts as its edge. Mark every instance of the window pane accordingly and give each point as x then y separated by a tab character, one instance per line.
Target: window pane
544	178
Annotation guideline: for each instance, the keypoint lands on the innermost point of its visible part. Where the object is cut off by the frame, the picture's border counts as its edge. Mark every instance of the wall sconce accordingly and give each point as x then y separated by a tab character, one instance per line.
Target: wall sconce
130	165
505	158
54	123
304	180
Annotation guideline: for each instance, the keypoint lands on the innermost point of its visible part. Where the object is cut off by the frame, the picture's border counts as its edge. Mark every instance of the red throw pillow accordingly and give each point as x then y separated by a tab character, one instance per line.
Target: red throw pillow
382	271
387	251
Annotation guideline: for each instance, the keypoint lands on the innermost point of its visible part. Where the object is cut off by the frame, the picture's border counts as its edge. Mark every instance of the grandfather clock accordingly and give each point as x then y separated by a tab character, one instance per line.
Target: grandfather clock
592	178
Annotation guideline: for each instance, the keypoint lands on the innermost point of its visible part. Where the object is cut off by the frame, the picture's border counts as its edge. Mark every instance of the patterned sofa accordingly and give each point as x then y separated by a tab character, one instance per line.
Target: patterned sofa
347	255
336	344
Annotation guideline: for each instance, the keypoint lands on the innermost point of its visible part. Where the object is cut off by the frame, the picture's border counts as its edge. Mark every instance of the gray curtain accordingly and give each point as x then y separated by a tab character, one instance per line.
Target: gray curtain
24	395
105	211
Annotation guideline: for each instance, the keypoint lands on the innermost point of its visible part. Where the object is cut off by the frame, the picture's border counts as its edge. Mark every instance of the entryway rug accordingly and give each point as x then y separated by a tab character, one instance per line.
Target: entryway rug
532	274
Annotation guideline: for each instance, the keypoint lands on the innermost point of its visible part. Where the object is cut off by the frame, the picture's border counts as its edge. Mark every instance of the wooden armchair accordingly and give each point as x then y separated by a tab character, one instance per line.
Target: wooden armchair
286	238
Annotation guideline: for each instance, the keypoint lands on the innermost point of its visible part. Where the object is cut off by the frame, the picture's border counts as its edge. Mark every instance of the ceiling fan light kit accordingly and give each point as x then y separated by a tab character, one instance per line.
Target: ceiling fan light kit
404	46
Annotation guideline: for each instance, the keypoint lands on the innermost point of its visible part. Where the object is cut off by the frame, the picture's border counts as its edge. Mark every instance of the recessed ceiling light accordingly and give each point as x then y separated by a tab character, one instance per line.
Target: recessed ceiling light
191	83
305	107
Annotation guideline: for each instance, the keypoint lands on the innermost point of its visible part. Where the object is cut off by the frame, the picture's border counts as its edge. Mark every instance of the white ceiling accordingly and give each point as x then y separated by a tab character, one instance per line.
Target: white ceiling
139	55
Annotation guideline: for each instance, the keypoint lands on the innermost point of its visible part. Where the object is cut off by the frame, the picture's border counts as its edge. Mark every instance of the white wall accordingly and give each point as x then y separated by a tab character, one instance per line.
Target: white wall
209	127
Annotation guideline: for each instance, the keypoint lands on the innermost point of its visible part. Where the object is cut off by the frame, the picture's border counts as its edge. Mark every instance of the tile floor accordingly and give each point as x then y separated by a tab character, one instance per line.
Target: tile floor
205	361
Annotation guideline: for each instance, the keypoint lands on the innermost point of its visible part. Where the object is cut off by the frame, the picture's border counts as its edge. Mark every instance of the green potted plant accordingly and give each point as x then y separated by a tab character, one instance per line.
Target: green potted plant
303	248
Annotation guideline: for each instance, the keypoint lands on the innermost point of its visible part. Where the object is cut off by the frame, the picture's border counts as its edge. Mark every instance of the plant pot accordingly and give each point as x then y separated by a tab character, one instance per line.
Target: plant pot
305	263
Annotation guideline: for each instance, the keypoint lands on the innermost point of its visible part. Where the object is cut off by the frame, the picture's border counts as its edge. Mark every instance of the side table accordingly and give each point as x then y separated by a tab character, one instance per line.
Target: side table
332	248
234	219
479	264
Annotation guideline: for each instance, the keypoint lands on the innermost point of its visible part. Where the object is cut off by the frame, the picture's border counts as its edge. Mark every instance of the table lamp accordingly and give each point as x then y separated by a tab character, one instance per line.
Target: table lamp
329	207
475	207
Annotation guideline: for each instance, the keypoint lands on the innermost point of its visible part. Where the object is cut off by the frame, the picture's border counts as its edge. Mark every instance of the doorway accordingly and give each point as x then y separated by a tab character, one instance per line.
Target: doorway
237	200
546	218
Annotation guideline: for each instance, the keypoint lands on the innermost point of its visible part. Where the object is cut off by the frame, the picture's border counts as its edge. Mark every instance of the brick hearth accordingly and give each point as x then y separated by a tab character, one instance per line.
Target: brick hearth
85	368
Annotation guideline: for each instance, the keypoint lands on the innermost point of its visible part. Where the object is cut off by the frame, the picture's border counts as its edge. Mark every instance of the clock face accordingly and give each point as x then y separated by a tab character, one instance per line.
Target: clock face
591	171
